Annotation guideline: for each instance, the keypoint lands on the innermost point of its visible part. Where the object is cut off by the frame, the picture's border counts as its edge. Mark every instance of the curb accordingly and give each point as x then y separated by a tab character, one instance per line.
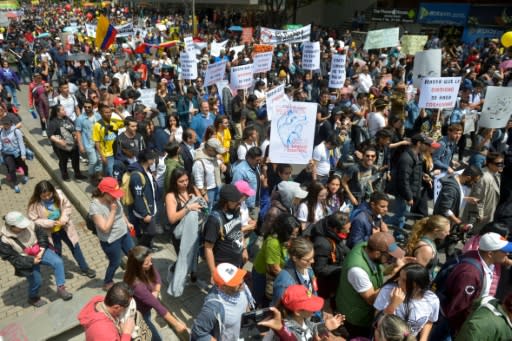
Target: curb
78	198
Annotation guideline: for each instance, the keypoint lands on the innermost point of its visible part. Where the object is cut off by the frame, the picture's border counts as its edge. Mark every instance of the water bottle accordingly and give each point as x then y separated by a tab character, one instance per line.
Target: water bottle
33	113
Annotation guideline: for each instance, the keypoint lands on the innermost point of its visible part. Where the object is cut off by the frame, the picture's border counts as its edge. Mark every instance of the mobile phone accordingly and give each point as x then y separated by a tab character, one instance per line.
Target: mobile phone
251	318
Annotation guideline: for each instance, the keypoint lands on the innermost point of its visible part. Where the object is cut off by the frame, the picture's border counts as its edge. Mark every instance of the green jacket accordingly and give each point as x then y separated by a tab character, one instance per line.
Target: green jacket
348	301
489	322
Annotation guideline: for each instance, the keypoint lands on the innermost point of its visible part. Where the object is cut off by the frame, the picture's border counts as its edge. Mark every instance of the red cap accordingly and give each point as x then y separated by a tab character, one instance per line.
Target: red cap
119	100
109	185
297	297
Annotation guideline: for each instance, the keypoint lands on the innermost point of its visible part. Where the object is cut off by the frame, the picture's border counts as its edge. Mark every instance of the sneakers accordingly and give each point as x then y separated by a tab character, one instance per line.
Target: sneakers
80	176
63	293
17	189
24	180
36	301
44	133
89	273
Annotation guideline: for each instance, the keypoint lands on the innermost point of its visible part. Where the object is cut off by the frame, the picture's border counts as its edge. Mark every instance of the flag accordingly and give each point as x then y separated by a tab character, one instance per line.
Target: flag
105	33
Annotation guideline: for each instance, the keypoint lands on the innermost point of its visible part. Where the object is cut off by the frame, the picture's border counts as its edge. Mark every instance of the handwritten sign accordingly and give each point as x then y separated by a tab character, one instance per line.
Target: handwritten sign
379	39
439	92
215	48
311	56
413	43
273	97
262	62
242	76
147	97
215	73
497	107
188	66
338	72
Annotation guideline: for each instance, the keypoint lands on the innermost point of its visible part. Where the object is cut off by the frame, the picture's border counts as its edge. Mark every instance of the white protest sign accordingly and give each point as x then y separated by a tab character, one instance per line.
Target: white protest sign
271	36
189	45
379	39
147	97
125	30
90	30
214	73
469	121
311	56
497	107
439	92
292	132
262	62
188	66
216	47
237	50
338	72
242	76
426	64
273	97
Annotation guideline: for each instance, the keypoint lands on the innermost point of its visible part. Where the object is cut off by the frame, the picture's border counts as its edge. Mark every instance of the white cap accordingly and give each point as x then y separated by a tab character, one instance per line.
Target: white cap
492	241
17	219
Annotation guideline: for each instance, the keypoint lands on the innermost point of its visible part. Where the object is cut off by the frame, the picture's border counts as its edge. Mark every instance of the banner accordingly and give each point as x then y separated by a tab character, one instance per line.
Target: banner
443	14
147	97
260	48
273	97
311	56
338	72
379	39
426	64
393	15
497	107
439	92
471	34
125	30
271	36
242	76
292	132
214	73
216	47
188	66
262	62
247	33
412	44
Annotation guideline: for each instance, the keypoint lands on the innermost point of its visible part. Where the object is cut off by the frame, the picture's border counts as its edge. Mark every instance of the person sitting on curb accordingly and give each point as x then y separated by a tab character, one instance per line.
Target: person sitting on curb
25	246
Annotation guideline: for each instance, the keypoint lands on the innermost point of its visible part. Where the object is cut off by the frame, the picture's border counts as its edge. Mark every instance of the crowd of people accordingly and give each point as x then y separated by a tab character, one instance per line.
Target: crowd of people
332	248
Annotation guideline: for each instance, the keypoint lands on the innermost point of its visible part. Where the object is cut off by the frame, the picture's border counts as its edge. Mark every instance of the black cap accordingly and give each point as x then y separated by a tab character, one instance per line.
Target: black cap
6	120
230	193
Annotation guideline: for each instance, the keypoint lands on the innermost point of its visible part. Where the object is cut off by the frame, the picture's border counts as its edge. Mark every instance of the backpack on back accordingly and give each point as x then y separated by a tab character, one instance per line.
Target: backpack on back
127	199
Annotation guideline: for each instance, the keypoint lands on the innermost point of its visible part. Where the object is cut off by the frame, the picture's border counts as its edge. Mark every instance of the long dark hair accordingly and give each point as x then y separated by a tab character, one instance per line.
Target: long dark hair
134	270
284	226
173	182
312	199
339	193
43	187
54	111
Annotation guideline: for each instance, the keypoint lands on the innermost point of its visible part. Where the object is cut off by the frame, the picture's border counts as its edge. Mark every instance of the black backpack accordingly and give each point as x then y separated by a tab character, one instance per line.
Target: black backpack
89	223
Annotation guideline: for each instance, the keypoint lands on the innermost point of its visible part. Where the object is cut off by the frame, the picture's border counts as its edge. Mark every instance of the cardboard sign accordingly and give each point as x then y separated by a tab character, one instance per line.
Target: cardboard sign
247	33
379	39
439	92
242	76
497	107
271	36
338	72
311	56
147	97
426	64
215	73
188	66
273	97
262	62
412	44
260	48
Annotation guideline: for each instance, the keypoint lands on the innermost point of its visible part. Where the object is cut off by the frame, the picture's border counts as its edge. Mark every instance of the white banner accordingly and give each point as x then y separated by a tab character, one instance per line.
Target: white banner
311	56
426	64
271	36
216	47
338	72
242	76
262	62
188	66
439	92
497	107
379	39
215	73
147	97
274	97
292	132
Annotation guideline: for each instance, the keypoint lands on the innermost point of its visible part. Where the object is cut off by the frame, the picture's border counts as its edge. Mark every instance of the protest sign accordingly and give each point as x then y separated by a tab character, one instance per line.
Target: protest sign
188	66
292	132
338	72
147	97
262	62
271	36
412	44
273	97
242	76
469	121
90	30
379	39
214	73
439	92
216	47
246	35
237	49
311	56
260	48
189	44
497	107
125	30
426	64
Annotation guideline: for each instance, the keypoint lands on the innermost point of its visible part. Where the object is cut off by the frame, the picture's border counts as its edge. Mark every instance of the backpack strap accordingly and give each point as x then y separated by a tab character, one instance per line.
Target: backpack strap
216	214
333	250
476	263
143	180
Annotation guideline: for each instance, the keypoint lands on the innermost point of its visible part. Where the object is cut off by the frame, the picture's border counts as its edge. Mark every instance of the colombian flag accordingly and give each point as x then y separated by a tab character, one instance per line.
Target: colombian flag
105	33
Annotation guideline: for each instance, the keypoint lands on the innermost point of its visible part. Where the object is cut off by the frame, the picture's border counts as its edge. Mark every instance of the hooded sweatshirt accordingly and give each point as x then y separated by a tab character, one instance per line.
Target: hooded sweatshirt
97	325
11	142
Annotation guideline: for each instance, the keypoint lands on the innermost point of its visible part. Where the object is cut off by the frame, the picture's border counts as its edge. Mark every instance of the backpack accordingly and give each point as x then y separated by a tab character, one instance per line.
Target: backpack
127	199
89	223
233	152
438	285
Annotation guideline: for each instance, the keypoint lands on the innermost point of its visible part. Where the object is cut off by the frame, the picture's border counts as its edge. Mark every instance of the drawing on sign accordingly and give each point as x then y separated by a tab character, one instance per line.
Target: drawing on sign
502	104
290	127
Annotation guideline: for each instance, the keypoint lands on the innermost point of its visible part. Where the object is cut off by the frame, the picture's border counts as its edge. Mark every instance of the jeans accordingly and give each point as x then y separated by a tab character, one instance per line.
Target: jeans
113	253
11	90
213	195
12	163
51	259
162	119
94	161
401	208
259	282
155	334
59	237
108	168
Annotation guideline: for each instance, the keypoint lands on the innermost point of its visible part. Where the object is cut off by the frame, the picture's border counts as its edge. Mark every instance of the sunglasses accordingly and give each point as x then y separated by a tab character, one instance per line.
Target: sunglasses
499	164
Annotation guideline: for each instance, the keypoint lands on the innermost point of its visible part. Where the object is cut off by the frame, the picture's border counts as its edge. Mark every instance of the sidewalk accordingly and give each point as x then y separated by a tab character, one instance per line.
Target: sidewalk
13	290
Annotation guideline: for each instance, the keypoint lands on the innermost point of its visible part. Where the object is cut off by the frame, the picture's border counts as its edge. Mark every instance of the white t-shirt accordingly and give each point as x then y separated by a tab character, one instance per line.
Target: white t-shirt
321	156
302	213
421	311
359	280
69	103
242	150
376	121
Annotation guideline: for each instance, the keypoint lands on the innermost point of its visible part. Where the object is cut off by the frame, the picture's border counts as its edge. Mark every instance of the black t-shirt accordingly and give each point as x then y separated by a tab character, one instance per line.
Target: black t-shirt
361	181
228	241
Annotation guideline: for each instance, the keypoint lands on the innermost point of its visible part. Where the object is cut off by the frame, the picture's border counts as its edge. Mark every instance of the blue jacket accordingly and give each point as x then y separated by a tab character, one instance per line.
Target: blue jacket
289	276
183	108
361	225
143	194
244	171
443	155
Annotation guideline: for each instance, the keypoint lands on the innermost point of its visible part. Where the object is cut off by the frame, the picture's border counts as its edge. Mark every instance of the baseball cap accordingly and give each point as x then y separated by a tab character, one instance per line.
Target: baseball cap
492	241
385	242
109	185
244	188
292	187
230	193
425	139
228	275
118	101
296	297
129	145
17	219
214	143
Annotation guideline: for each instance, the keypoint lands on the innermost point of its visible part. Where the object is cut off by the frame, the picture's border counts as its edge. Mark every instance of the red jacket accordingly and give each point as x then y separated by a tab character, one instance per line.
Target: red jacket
98	327
463	286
